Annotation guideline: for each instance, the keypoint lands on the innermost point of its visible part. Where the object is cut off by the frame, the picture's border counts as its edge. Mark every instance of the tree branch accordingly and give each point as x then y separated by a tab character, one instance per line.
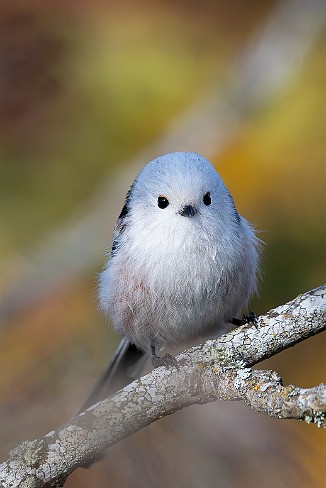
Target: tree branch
218	369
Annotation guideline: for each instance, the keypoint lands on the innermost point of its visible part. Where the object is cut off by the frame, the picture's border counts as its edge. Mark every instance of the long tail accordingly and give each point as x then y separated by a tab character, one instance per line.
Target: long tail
116	375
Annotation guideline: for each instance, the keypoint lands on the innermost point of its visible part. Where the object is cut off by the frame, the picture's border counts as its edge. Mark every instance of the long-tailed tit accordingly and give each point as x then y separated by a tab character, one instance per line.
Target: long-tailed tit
183	261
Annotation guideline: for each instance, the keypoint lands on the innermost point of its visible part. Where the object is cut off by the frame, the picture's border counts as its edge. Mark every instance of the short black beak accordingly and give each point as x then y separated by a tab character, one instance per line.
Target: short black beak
188	211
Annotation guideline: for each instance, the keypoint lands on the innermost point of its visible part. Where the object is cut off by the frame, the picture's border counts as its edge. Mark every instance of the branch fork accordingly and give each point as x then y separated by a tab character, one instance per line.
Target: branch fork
218	369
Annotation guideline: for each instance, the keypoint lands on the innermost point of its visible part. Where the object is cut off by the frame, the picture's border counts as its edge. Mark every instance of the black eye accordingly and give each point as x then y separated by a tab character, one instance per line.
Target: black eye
207	199
162	202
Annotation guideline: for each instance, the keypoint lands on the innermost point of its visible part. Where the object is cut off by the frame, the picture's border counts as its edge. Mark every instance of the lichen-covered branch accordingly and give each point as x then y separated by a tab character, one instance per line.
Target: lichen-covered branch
264	392
279	329
218	369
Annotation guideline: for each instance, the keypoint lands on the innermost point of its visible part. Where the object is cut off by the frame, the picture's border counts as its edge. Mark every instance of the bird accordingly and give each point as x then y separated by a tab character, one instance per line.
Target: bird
183	264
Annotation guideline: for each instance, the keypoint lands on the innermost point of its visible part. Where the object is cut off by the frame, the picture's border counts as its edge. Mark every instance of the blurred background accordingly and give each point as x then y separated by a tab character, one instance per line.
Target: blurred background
89	92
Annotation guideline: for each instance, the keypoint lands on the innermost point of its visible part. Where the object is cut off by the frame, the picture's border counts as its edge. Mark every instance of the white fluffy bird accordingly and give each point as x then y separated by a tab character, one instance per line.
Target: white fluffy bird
183	261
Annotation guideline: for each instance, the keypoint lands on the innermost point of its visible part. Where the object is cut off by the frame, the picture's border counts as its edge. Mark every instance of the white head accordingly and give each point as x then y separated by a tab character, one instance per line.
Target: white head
181	189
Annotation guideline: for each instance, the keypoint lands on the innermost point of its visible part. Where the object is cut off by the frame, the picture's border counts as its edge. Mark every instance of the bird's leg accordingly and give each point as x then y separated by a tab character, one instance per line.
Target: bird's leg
251	318
166	361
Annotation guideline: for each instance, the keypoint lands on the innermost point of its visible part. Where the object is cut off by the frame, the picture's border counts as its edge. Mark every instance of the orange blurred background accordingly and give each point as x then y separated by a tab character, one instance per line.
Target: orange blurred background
89	92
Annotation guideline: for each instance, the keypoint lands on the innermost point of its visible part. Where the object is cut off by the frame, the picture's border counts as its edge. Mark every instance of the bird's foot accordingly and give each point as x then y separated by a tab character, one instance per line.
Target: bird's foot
251	318
167	361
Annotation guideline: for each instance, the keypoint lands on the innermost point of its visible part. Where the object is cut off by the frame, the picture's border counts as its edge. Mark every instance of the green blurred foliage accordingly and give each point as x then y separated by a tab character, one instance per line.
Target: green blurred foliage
277	171
118	81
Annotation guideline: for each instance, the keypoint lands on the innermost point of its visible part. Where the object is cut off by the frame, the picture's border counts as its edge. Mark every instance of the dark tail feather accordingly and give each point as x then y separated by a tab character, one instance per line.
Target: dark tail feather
115	375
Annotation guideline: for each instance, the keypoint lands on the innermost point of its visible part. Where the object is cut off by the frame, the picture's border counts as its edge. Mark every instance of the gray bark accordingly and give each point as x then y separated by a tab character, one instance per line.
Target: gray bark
217	369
